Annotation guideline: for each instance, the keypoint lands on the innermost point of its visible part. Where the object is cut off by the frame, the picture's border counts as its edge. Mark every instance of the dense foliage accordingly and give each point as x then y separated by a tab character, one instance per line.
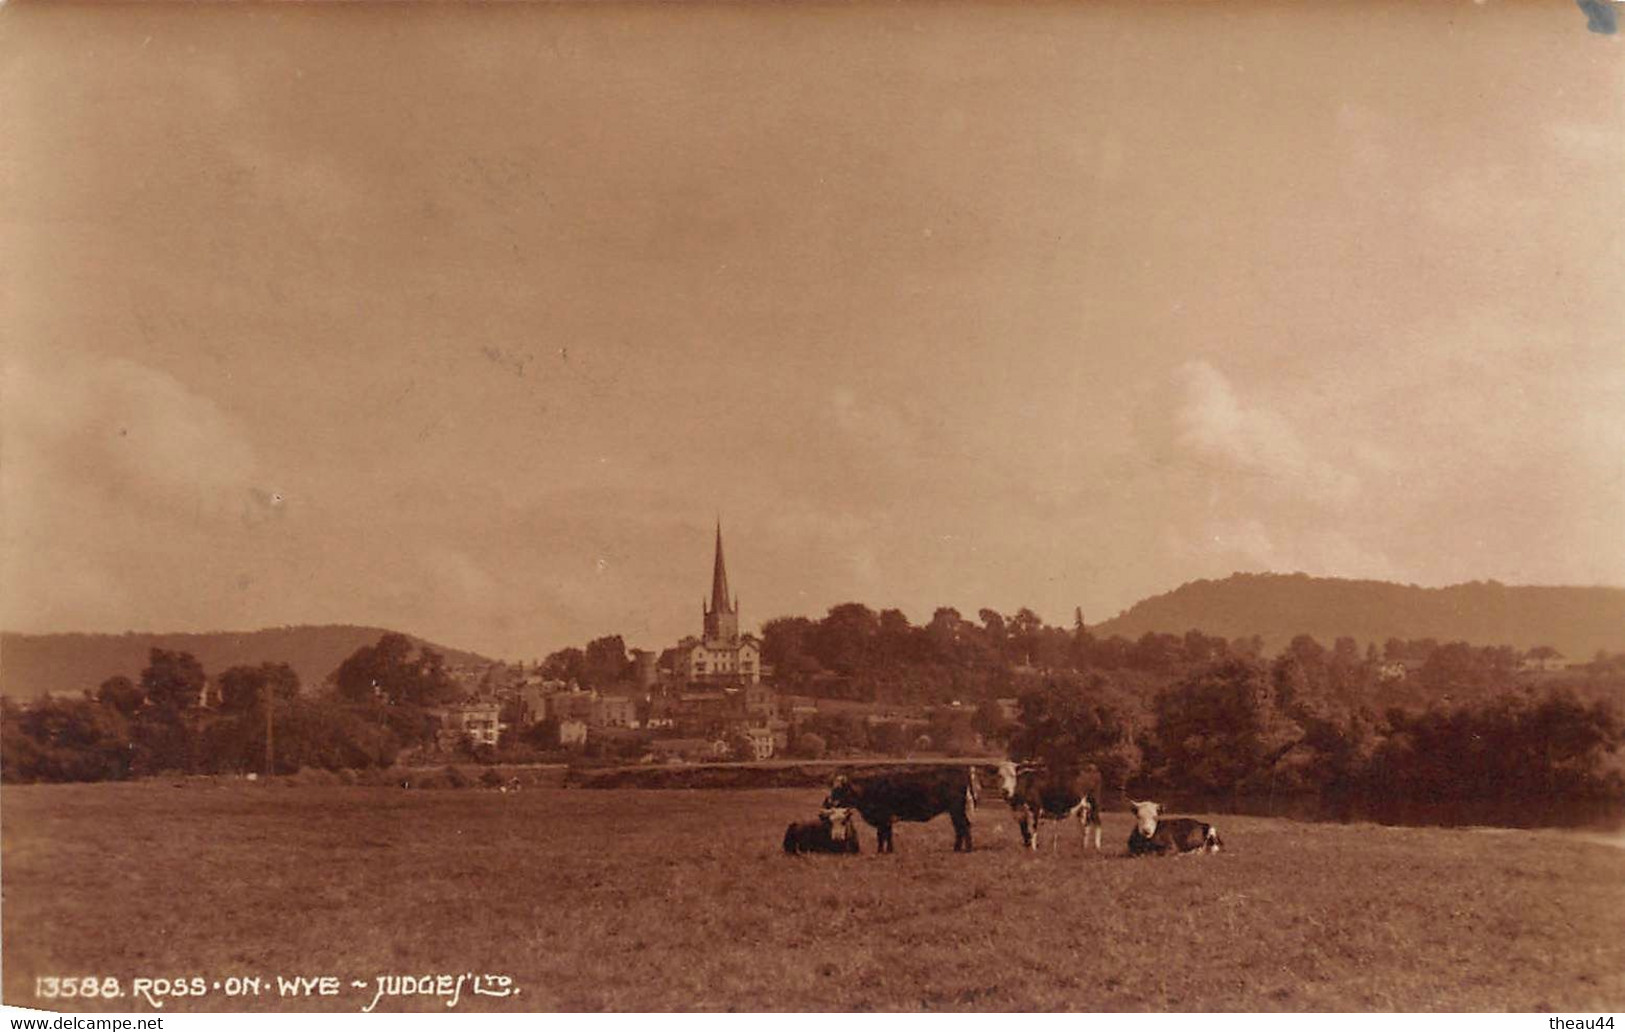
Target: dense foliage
40	664
160	725
1410	720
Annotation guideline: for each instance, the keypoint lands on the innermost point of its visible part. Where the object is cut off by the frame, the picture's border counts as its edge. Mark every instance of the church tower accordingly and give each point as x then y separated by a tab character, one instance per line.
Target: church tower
721	655
722	616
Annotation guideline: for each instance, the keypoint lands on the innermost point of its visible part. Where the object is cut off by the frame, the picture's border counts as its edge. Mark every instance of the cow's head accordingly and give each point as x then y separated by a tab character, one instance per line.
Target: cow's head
842	793
1145	815
838	819
1007	778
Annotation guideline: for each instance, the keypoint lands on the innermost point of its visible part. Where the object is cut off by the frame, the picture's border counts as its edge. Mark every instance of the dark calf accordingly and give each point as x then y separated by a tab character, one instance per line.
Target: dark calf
832	832
1153	836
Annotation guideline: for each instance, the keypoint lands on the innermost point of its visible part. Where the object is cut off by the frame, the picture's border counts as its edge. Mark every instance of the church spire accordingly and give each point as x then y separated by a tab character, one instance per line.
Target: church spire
722	616
719	580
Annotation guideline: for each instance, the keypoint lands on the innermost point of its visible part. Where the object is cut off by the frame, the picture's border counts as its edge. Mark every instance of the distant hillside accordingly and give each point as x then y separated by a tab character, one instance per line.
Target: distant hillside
1575	621
34	664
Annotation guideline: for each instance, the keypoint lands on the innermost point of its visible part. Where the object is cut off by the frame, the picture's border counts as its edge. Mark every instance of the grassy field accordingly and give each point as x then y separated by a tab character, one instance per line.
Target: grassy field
676	900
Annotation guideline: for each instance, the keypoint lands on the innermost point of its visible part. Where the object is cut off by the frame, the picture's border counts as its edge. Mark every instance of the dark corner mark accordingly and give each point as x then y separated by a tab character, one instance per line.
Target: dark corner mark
1600	16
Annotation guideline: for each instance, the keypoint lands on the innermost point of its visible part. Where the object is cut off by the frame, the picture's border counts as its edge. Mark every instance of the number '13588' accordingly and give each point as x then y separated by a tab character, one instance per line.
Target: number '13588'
88	987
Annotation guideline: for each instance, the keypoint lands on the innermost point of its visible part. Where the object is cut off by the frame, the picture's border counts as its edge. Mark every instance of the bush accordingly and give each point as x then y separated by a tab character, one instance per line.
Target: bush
517	753
809	746
72	740
888	739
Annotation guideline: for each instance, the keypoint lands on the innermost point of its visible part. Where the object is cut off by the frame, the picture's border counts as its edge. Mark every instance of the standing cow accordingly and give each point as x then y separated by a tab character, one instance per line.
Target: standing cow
910	795
1038	793
1153	836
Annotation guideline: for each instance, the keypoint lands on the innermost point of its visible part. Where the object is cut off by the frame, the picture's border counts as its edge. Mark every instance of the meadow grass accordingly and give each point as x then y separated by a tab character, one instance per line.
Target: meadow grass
682	900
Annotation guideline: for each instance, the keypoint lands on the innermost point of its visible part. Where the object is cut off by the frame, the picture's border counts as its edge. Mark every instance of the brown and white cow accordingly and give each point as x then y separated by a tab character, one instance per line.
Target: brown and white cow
1038	793
1154	836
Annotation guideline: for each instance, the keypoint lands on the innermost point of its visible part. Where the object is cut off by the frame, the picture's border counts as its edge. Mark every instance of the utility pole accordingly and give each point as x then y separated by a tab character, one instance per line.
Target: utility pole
270	749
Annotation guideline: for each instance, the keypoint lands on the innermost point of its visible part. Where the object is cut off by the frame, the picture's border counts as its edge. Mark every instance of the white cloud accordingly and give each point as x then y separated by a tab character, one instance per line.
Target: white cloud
127	430
1479	446
1215	427
1262	477
1247	544
112	471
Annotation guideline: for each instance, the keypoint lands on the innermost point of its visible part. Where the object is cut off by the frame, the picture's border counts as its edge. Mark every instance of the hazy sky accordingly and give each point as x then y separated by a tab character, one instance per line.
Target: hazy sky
469	321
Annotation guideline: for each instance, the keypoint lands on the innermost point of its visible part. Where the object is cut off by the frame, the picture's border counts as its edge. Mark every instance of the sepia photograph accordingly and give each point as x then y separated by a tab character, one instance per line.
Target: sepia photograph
817	508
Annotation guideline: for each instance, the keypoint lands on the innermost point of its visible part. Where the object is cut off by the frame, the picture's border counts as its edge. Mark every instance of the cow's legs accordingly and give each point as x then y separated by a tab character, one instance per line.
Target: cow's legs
883	838
961	821
1089	818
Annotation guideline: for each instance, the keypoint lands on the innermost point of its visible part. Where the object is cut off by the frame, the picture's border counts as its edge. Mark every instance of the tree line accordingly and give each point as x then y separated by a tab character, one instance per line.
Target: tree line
1192	713
1197	714
859	653
173	718
1172	713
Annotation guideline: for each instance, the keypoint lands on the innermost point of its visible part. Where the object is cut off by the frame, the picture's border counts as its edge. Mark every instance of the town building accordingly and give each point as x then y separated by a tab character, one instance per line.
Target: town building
576	705
756	713
615	711
660	713
645	668
532	699
1542	660
472	723
572	733
762	743
692	750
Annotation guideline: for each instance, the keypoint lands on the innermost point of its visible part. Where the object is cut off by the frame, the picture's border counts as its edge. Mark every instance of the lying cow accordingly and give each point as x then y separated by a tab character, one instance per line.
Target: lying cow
1154	836
832	832
1037	794
910	795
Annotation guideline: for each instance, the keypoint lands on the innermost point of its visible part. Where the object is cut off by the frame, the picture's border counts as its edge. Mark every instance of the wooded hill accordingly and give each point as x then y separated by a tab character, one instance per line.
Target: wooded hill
1575	621
35	664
